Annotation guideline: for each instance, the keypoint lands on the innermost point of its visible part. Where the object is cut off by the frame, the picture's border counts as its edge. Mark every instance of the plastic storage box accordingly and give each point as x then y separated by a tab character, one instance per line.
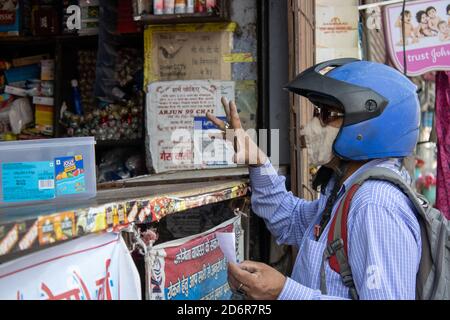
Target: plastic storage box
53	170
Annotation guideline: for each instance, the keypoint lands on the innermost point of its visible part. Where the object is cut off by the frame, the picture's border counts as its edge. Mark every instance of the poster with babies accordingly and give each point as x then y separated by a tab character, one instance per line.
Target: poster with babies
426	37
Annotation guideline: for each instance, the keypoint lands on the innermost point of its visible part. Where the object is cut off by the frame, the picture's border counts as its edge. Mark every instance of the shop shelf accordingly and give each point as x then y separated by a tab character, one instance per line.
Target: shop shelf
21	228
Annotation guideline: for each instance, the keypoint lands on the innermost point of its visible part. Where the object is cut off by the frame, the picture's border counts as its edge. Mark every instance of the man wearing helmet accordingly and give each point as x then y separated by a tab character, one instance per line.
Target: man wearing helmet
366	115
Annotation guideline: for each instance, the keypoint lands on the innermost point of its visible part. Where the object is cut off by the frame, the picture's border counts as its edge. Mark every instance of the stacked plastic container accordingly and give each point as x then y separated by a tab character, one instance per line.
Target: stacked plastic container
45	171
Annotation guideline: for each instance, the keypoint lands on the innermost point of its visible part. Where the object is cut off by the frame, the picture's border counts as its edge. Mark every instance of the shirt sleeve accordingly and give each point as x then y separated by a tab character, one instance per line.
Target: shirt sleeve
293	290
286	216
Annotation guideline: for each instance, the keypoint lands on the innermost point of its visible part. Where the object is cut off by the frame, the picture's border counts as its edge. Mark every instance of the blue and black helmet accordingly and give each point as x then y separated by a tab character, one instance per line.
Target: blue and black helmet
381	107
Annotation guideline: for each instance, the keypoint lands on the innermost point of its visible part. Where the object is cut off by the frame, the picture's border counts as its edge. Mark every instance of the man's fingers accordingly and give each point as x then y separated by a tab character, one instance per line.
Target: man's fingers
234	116
226	107
243	276
219	123
251	266
235	285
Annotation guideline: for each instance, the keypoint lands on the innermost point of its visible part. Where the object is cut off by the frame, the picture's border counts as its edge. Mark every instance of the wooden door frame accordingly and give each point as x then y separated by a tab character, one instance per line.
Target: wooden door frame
301	29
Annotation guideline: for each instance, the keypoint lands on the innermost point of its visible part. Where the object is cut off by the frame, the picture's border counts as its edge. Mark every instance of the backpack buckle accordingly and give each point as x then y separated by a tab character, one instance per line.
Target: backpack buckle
348	281
337	245
334	247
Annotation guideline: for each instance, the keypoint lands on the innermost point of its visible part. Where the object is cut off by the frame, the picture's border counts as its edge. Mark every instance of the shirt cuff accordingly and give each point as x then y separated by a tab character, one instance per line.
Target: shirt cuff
263	176
295	291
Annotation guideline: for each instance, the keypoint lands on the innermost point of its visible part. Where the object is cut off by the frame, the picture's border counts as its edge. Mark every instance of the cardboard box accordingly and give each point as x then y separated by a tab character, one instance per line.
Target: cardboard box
44	118
15	17
26	61
47	70
16	91
45	21
46	101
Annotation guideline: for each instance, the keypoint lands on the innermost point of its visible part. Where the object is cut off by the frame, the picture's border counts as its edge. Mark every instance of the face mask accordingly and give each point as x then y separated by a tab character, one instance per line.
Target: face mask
319	142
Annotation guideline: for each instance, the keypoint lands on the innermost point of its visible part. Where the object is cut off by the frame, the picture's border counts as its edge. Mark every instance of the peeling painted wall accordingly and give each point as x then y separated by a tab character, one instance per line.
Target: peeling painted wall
244	13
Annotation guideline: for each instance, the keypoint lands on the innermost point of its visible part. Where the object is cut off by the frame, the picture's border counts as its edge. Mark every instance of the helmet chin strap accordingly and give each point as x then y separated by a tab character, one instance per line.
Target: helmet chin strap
337	168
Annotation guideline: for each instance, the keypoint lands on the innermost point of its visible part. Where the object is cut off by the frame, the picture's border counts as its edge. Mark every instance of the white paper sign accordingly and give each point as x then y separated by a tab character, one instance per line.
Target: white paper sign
95	267
227	243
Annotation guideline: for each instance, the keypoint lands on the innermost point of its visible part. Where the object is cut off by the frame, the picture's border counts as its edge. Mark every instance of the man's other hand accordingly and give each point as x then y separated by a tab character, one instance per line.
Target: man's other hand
257	281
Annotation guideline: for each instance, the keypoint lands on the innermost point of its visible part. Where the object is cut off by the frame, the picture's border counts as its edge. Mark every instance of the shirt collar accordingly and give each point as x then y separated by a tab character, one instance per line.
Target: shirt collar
350	180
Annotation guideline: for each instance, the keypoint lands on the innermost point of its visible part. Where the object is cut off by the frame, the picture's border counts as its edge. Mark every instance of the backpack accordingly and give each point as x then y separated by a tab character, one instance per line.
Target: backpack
433	278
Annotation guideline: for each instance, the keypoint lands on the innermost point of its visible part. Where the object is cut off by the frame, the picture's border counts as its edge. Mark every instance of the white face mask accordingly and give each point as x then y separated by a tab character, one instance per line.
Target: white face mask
319	142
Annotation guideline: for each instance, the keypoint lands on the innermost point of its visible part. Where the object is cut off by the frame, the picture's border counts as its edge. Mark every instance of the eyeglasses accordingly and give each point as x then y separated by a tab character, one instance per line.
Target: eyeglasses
326	116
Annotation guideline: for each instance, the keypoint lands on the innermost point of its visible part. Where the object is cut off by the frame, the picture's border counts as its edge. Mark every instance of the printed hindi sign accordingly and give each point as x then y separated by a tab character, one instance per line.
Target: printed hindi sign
336	29
192	268
177	127
95	267
427	36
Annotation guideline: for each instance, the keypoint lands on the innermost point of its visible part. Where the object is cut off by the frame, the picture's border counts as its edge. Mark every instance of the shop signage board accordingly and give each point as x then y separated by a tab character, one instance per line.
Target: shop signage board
192	268
177	127
96	267
427	43
336	29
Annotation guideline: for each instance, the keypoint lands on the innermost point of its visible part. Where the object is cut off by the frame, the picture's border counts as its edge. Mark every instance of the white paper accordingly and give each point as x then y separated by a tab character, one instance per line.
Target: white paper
227	243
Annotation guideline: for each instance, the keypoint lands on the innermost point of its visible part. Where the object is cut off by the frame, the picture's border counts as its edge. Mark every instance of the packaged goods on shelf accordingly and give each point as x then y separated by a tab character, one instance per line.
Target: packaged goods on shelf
45	20
44	114
115	122
53	170
16	17
87	60
121	163
47	70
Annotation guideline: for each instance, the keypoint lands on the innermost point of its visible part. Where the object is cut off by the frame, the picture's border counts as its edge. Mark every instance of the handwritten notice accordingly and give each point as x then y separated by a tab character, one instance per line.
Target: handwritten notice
427	36
174	111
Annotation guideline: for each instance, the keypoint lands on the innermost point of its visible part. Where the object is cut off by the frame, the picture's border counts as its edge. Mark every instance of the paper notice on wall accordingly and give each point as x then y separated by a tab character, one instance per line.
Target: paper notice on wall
183	52
95	267
193	268
177	127
337	29
227	243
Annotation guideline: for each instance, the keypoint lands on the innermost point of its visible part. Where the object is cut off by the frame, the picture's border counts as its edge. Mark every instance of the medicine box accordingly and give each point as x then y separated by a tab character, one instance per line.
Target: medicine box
53	170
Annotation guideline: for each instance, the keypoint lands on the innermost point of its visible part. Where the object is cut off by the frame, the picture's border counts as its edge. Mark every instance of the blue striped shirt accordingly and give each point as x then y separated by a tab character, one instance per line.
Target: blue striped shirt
384	244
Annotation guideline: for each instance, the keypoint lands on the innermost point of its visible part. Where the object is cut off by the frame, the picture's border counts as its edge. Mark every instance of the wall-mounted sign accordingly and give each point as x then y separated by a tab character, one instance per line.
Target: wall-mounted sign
336	29
427	36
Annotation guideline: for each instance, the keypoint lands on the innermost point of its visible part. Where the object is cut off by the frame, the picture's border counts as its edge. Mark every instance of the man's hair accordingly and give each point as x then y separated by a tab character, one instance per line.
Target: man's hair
429	9
419	16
